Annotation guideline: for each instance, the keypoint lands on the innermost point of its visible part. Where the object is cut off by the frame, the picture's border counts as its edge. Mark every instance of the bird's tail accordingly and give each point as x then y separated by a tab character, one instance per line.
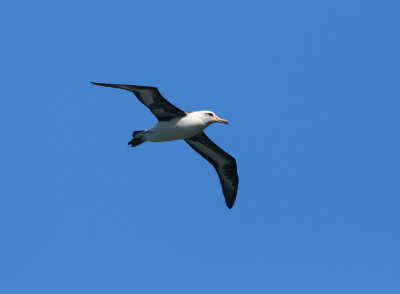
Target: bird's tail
137	138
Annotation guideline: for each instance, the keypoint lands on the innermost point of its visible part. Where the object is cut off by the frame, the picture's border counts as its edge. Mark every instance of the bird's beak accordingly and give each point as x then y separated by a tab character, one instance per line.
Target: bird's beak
220	120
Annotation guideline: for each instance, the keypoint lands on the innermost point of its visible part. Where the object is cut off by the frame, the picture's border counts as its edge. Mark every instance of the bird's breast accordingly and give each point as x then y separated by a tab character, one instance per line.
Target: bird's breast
175	129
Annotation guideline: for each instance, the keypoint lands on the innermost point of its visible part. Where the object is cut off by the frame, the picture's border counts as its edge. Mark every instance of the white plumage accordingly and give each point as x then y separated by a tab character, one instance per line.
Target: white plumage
179	128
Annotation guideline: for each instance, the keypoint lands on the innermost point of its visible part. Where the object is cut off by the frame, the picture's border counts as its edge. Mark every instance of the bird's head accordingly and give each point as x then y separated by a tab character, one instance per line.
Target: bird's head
209	117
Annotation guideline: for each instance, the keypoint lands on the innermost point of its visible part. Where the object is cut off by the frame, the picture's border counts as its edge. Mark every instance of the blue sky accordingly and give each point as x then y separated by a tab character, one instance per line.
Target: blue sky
311	91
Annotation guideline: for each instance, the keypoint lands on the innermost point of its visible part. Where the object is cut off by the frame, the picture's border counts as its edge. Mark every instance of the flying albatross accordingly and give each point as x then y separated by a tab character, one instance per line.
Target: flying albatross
175	124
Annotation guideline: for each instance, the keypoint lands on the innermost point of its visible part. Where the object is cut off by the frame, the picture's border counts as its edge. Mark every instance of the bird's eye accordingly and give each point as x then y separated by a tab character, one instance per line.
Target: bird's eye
210	114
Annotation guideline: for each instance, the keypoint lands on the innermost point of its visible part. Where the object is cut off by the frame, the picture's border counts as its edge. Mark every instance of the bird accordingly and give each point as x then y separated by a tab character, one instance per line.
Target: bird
175	124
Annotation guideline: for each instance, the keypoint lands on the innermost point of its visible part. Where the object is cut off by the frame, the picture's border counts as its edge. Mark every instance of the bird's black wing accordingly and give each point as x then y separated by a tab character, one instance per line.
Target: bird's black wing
224	164
151	97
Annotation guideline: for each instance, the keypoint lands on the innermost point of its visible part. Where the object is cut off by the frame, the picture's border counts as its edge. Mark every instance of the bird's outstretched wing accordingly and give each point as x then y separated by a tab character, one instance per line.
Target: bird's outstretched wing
224	164
151	97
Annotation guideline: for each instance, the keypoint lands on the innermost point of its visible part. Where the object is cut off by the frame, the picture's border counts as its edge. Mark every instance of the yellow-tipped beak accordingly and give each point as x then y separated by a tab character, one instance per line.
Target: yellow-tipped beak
220	120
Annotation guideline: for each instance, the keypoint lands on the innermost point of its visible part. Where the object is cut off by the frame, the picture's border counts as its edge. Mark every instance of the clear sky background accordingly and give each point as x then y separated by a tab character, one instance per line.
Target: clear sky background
311	90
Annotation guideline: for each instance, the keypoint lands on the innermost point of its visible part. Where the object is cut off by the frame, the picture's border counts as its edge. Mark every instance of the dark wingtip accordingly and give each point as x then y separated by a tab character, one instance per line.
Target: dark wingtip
230	199
107	85
103	84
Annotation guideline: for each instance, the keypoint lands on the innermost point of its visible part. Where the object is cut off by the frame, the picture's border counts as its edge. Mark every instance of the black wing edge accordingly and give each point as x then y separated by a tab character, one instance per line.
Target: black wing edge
123	86
170	110
228	172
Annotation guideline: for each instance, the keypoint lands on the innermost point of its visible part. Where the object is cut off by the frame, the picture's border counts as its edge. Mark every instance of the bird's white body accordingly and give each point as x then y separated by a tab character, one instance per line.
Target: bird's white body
180	127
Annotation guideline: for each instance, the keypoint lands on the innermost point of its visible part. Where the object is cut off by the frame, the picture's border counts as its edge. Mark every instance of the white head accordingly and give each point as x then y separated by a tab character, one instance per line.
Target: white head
209	117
